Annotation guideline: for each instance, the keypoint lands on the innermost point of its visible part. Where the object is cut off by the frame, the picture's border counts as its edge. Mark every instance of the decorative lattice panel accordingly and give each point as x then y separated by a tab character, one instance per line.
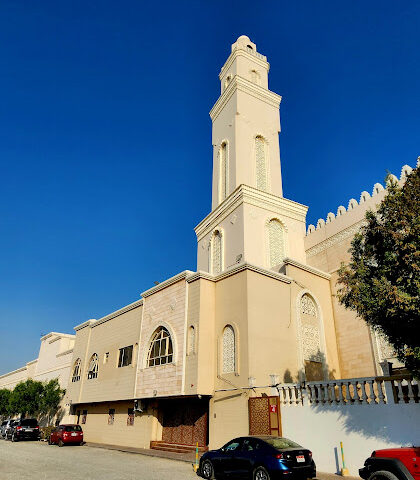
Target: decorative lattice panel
311	343
275	242
216	253
307	306
259	416
223	171
228	350
261	163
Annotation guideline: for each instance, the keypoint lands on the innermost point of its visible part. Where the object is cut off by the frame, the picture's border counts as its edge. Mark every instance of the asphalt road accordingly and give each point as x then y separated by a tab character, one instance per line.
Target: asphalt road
39	461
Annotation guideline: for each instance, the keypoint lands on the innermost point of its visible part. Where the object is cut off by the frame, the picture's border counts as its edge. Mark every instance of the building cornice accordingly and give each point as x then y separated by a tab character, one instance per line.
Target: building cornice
84	325
241	84
32	362
237	269
66	352
251	196
238	52
170	281
21	369
117	313
307	268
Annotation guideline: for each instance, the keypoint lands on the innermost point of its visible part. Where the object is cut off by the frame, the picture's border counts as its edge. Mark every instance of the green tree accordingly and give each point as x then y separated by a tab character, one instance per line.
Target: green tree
50	399
4	402
382	282
25	398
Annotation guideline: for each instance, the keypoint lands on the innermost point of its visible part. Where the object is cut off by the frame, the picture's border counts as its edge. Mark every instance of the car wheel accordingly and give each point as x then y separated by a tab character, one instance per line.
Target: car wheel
60	443
382	475
260	473
81	444
207	469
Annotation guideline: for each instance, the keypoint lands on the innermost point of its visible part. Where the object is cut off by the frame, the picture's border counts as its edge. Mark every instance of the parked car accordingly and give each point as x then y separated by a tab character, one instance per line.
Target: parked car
6	429
258	458
26	428
392	464
66	434
2	427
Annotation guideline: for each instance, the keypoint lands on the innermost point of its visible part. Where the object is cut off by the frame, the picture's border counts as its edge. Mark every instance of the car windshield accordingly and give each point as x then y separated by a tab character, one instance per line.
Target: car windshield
29	422
281	443
73	428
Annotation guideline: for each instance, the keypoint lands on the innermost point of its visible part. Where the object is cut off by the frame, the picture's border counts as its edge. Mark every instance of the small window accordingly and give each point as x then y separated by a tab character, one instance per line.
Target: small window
106	357
130	417
111	416
76	371
191	341
84	416
126	356
93	367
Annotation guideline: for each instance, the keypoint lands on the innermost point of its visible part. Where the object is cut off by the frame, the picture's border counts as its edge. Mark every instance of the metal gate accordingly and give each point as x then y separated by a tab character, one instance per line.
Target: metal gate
264	416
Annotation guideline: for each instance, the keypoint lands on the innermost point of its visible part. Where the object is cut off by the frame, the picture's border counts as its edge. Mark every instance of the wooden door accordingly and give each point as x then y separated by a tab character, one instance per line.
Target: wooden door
264	416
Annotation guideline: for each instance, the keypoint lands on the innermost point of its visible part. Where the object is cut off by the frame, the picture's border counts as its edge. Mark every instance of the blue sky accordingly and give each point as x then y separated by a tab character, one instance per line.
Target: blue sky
105	137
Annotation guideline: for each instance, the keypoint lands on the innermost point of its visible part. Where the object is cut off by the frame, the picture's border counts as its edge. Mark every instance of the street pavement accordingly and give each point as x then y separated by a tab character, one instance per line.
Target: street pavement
37	460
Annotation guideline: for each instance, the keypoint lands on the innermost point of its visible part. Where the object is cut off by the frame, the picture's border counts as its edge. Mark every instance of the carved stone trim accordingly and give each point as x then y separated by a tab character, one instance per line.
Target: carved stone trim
334	239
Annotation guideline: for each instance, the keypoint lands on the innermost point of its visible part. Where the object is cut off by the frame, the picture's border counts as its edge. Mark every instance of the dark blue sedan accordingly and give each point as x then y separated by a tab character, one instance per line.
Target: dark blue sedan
258	458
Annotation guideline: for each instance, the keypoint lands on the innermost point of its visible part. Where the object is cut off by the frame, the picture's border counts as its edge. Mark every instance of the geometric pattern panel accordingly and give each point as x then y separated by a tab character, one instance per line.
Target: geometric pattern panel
261	163
228	350
223	171
259	416
311	344
216	253
275	242
307	306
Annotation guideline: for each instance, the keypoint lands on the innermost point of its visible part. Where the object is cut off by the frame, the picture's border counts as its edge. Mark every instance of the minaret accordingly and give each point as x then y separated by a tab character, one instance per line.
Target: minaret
246	125
250	220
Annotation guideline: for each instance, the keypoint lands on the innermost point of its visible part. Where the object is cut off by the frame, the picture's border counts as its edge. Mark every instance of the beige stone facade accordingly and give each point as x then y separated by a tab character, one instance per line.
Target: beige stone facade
260	309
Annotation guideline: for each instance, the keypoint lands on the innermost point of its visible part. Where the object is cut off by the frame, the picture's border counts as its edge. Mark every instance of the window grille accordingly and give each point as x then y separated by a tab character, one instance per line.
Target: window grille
126	356
160	350
93	367
111	416
275	243
229	350
261	163
130	417
84	416
76	370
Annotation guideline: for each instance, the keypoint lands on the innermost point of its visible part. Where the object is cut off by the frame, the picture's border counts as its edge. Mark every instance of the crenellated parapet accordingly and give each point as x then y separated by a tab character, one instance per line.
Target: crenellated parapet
364	197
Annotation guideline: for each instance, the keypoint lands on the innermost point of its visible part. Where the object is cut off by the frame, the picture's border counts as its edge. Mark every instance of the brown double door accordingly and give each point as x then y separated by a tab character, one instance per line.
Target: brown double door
264	416
185	422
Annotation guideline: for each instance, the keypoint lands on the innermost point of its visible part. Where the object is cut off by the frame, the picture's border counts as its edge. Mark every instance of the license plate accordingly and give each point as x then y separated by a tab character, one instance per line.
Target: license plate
29	429
74	434
300	459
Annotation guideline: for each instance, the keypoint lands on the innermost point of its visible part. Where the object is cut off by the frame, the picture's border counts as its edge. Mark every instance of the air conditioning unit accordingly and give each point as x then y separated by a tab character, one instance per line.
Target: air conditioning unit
139	406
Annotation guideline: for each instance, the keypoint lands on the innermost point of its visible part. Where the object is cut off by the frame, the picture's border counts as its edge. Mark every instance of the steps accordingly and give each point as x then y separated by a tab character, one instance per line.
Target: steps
176	448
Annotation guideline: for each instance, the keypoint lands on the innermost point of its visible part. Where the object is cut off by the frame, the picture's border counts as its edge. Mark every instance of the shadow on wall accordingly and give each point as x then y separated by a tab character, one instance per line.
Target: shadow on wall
316	369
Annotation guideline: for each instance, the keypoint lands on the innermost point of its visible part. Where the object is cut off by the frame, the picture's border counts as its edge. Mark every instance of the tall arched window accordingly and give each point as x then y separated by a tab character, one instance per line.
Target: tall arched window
93	367
229	350
75	377
223	171
161	350
261	163
191	340
216	253
275	235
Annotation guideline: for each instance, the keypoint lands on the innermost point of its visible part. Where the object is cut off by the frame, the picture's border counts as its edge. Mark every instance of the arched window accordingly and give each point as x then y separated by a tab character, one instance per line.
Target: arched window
191	340
261	163
161	349
216	253
255	77
229	350
223	172
275	234
310	334
76	370
93	367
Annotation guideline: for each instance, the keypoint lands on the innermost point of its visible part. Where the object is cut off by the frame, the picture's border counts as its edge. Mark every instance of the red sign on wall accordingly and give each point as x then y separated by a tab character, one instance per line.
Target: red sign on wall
273	408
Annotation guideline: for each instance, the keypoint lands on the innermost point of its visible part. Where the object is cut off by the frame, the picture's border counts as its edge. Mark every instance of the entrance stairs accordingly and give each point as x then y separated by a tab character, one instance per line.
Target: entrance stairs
176	448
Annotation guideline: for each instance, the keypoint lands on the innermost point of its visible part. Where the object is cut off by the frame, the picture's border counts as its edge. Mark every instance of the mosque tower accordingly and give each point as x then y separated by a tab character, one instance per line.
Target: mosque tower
250	220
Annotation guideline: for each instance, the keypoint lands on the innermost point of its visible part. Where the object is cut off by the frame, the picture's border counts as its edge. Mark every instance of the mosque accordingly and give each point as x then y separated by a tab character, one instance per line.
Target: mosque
181	364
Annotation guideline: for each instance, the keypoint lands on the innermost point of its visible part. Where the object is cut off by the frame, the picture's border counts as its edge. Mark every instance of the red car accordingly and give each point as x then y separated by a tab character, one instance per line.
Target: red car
392	464
66	434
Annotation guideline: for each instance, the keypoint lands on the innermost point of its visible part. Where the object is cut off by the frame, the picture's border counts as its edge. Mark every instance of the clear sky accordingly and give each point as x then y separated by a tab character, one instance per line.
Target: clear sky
105	137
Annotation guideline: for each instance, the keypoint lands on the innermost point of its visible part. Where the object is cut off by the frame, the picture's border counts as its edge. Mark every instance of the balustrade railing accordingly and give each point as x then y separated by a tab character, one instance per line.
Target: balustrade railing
351	391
